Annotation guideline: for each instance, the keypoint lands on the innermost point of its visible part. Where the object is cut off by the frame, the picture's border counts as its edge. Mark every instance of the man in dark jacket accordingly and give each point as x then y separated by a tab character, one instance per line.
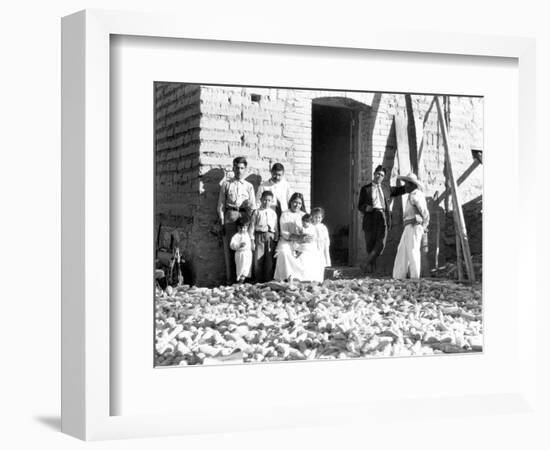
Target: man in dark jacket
374	203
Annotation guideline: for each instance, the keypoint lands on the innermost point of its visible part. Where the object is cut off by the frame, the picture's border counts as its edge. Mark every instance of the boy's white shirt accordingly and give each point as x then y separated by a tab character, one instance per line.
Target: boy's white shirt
281	192
252	228
238	239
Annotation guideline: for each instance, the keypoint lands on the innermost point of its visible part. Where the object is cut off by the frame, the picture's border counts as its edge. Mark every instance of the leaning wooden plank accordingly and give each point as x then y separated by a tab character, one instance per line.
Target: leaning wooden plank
437	233
412	137
403	153
459	258
459	181
458	244
402	137
457	205
420	130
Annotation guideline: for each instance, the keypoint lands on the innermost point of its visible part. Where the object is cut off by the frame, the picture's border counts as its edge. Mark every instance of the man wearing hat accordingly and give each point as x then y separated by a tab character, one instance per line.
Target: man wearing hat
416	218
374	203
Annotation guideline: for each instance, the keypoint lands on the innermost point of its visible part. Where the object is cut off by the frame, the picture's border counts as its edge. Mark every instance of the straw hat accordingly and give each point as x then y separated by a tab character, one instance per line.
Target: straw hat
411	178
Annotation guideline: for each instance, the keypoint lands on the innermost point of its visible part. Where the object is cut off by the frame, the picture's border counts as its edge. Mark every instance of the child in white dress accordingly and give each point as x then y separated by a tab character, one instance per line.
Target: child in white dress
309	258
242	245
323	238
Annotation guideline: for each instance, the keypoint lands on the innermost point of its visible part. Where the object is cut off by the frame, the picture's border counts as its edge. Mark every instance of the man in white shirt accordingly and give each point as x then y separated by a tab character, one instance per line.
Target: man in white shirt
235	194
280	188
416	218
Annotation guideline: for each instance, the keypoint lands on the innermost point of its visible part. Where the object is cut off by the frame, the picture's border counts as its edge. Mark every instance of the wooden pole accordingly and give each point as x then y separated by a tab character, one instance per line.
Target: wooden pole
459	181
460	273
411	134
437	234
457	206
458	243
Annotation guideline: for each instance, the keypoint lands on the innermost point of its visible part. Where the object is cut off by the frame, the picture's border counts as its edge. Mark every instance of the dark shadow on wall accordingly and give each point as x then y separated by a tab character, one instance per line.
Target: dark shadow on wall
173	226
255	180
373	114
389	153
386	260
411	134
473	217
206	246
205	263
434	249
365	175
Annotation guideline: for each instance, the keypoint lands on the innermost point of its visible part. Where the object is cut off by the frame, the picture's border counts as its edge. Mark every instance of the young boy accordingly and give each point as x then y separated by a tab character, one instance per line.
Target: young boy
264	234
278	186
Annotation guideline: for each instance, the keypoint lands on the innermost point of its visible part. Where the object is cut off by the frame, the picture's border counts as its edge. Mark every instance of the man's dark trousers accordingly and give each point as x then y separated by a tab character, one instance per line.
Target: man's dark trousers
374	227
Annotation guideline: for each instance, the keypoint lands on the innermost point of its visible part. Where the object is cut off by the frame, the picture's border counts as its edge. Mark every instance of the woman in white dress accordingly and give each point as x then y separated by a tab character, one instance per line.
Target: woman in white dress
288	266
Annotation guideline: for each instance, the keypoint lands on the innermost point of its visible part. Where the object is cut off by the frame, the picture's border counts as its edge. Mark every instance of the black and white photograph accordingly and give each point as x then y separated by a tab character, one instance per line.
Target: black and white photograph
266	226
296	224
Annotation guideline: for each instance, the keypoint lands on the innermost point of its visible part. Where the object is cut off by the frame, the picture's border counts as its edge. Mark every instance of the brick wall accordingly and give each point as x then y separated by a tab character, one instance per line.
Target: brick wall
177	127
200	129
473	211
266	126
465	133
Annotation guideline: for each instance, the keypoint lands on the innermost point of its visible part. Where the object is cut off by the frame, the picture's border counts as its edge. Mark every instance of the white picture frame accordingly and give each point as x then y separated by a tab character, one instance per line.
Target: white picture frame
86	221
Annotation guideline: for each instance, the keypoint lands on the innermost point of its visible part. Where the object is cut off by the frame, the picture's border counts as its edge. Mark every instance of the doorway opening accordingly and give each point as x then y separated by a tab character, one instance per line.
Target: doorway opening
334	148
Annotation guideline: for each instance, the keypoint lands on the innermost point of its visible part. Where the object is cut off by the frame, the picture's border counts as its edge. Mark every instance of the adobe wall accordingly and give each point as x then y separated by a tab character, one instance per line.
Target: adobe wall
201	129
177	143
465	133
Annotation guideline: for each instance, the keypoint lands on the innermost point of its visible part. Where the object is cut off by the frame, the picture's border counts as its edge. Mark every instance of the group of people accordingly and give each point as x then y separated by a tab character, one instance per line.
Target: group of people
269	234
375	204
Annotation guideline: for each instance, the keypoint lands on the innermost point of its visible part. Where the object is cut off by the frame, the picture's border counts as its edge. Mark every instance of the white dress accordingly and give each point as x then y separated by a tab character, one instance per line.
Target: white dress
310	262
323	243
243	256
287	264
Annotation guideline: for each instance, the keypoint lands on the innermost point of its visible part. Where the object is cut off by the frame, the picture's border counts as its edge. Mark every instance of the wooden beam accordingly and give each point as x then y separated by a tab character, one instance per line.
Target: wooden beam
411	134
437	234
457	205
459	181
458	246
403	153
420	126
402	137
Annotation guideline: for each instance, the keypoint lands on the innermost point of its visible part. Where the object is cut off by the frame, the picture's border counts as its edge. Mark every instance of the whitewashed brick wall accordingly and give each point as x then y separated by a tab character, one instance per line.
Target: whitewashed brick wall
195	152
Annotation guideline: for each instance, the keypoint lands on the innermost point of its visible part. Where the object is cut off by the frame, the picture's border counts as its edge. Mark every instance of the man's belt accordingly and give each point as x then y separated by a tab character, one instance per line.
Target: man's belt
410	222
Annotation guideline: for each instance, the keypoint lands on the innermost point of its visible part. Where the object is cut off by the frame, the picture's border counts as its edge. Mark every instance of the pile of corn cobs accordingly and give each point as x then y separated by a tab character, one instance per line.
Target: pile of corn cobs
305	321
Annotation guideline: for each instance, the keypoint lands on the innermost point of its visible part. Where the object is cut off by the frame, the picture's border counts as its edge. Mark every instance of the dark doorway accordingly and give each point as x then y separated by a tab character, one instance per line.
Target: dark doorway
332	144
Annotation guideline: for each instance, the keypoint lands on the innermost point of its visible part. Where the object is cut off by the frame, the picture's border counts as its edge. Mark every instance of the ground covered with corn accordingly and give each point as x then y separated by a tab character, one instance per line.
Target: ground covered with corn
353	318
